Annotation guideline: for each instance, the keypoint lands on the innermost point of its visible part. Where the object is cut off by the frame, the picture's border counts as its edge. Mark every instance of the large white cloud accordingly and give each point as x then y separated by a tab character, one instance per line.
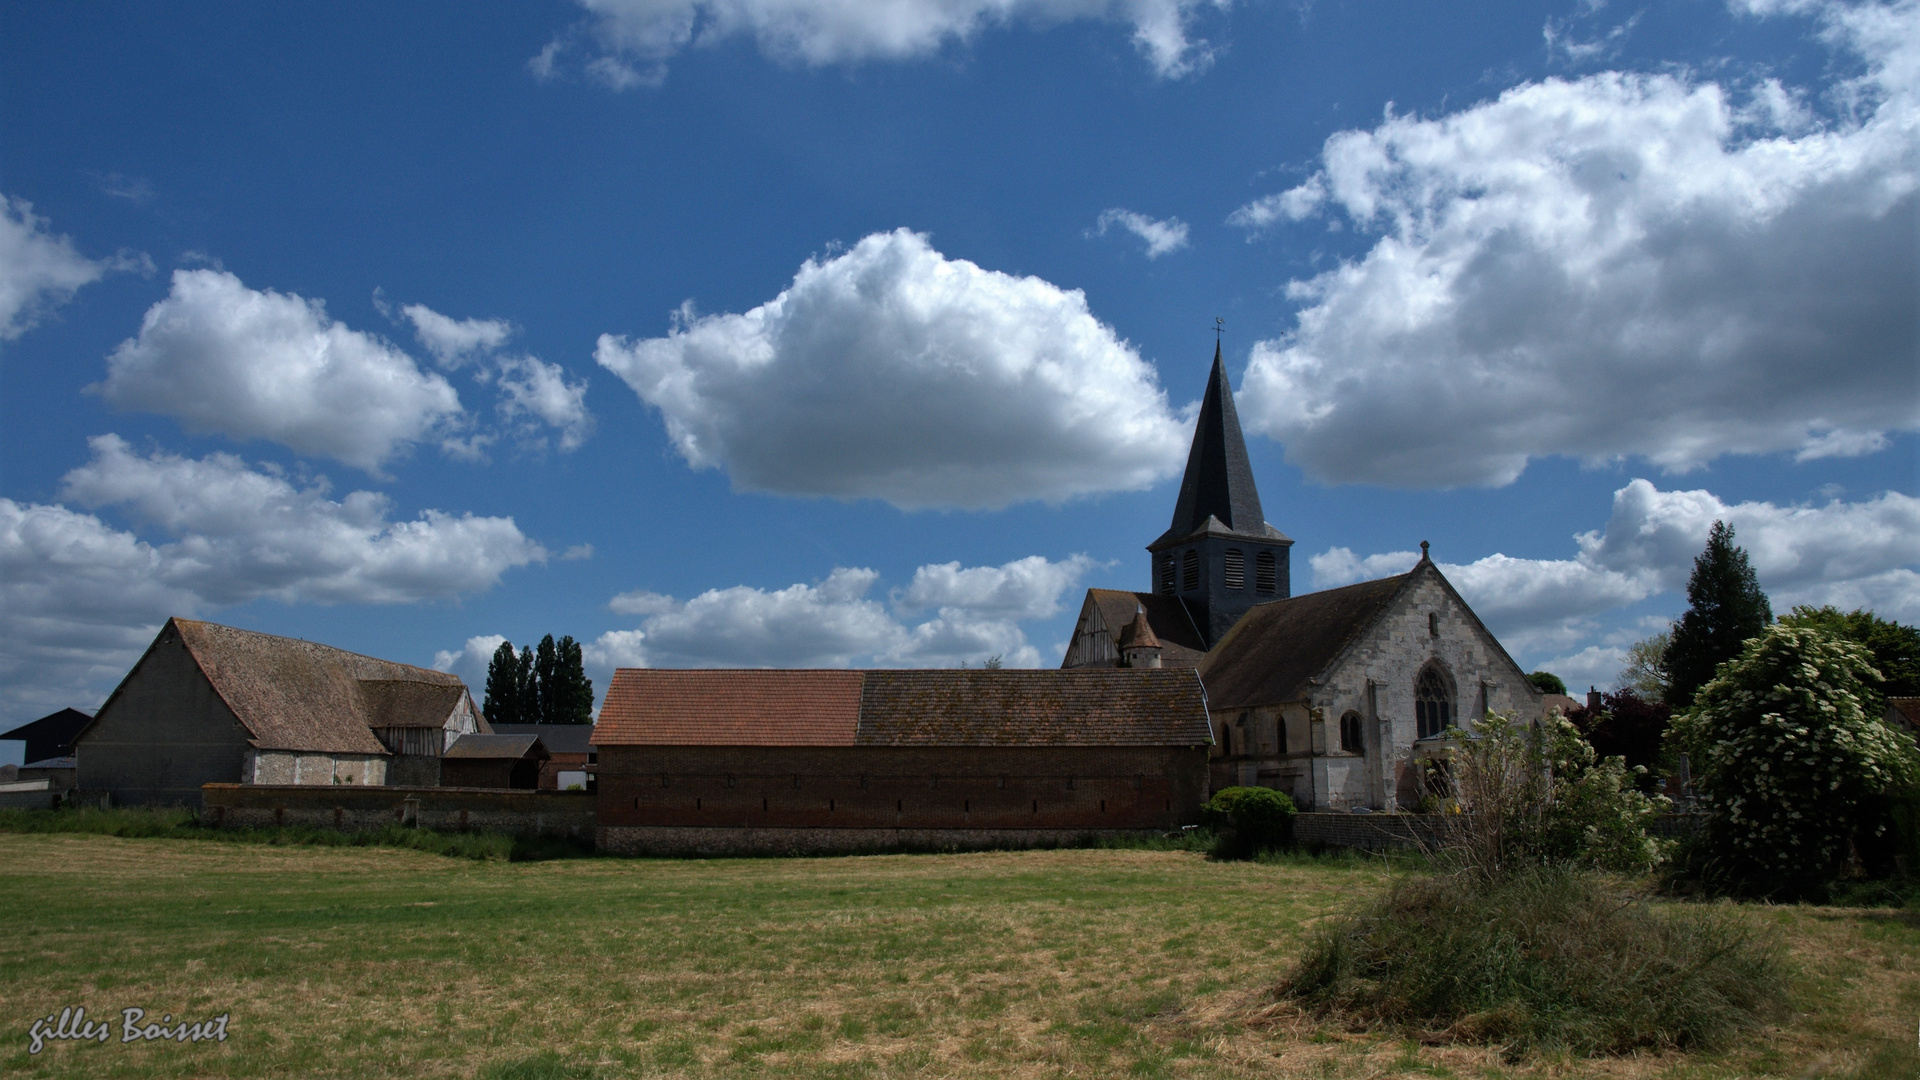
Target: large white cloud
895	373
947	615
1617	265
79	598
220	357
626	43
40	269
1850	554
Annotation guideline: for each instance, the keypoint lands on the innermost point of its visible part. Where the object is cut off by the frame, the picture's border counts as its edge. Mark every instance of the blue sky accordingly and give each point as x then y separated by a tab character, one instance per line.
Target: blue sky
787	332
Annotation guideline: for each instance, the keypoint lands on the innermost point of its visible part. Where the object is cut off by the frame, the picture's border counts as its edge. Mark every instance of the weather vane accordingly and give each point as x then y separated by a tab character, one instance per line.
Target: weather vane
1219	327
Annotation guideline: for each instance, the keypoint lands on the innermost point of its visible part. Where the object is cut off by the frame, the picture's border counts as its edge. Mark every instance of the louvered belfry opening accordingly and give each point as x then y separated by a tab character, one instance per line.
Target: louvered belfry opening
1263	573
1234	570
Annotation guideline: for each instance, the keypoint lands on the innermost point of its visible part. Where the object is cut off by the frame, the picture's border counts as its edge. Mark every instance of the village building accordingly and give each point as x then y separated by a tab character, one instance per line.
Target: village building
570	755
48	750
761	761
1333	697
216	704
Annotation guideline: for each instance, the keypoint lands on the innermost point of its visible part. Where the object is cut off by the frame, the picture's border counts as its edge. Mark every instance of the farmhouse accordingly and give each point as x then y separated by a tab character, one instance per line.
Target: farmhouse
1333	697
217	704
787	761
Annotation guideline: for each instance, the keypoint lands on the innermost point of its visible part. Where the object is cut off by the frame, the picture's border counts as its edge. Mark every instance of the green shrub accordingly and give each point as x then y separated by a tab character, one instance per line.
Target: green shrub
1543	959
1798	774
1248	820
1524	795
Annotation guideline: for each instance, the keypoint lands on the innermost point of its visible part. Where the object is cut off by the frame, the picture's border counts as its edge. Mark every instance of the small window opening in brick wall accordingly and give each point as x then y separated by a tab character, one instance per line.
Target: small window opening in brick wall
898	804
763	805
1103	806
696	804
829	806
1036	806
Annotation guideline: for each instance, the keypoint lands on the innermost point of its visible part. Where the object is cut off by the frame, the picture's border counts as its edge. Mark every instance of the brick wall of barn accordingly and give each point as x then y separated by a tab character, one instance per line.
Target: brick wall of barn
1058	790
163	734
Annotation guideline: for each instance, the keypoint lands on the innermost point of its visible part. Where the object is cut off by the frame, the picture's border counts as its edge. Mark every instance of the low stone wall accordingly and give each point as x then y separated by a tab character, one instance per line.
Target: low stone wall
1371	832
683	840
357	807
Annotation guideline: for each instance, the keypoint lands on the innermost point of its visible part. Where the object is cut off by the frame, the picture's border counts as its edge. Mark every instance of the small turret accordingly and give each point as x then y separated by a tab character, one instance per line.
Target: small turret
1139	648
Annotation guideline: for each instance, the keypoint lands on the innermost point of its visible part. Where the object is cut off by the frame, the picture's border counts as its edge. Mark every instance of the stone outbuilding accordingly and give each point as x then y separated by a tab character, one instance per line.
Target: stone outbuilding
570	756
216	704
793	761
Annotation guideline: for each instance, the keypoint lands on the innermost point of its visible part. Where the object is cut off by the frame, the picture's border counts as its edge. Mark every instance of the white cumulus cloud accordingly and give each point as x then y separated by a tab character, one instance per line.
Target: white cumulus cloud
626	43
1161	237
455	341
947	615
79	598
220	357
534	392
892	372
1612	266
40	269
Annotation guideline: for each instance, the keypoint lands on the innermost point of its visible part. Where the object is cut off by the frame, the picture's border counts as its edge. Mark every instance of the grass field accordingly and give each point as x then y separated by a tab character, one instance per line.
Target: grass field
382	962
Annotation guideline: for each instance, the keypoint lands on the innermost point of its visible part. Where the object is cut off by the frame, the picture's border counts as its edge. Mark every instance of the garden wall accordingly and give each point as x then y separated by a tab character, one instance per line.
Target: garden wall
356	807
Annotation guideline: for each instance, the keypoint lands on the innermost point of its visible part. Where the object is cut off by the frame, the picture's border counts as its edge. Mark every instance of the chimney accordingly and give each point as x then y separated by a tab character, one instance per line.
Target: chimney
1593	700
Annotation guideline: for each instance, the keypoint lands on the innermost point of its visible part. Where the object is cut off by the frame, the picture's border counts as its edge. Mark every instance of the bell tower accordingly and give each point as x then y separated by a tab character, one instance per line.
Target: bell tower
1220	557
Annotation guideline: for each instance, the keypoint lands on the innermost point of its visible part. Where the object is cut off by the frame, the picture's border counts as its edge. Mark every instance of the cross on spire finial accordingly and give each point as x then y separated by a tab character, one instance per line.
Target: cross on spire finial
1219	327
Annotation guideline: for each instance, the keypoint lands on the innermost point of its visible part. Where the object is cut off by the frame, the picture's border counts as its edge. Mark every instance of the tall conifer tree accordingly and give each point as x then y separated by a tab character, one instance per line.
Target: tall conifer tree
502	705
572	690
1725	607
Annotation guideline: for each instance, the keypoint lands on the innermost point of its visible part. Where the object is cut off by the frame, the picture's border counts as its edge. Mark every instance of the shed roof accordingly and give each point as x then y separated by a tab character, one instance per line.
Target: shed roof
1080	707
495	747
1276	647
51	735
409	703
292	694
559	738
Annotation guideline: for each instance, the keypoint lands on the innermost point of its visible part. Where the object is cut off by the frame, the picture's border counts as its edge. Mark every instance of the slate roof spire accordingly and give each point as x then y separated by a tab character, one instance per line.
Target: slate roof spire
1219	480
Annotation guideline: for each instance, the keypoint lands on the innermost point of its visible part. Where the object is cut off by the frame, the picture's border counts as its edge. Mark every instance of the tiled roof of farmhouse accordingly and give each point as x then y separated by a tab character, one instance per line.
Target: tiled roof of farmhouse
1180	644
494	747
1087	707
1079	707
725	707
293	694
1276	647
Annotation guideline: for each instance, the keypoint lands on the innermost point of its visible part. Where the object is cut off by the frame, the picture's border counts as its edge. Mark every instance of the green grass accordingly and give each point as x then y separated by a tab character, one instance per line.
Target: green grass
183	824
382	962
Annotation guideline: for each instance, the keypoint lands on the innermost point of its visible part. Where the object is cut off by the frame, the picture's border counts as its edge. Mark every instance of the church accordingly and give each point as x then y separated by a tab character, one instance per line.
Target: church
1333	697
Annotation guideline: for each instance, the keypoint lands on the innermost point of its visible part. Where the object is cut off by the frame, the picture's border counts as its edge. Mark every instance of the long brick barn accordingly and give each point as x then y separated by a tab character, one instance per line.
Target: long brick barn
755	761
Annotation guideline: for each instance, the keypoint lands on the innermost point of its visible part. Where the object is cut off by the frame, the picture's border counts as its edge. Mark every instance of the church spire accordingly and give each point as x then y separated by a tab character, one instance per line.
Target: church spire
1219	479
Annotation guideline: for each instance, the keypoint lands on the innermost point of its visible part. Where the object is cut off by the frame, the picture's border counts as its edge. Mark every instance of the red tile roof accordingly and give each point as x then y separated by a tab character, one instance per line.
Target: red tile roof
660	707
1082	707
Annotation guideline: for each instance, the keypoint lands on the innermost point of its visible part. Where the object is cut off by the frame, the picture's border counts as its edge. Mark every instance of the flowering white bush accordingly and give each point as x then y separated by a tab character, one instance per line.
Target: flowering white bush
1784	755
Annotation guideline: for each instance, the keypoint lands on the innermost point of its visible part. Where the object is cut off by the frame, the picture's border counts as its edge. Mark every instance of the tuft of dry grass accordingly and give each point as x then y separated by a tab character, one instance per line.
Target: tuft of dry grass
380	962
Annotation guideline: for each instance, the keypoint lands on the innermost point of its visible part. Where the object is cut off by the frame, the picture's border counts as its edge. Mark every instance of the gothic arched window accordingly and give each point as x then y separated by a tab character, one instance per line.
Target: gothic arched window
1265	578
1432	703
1190	570
1351	739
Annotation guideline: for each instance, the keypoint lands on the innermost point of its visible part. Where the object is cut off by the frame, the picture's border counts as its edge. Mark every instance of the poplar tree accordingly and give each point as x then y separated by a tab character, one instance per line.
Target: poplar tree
544	660
1725	607
571	690
502	704
529	688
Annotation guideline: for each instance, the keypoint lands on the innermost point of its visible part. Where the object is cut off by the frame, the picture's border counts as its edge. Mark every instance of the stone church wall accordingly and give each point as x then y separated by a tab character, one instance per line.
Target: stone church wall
1392	657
